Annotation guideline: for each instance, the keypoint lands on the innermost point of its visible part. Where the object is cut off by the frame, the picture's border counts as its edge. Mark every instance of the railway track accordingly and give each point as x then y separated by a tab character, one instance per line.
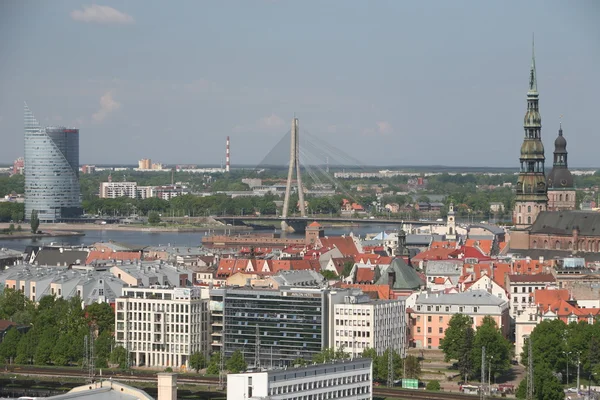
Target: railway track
420	394
150	376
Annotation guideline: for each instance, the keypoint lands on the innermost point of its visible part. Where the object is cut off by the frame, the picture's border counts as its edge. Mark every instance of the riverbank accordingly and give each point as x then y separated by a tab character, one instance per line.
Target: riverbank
45	234
65	229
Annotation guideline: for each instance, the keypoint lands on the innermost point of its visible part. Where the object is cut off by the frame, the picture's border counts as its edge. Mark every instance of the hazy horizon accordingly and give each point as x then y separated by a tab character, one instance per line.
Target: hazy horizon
389	83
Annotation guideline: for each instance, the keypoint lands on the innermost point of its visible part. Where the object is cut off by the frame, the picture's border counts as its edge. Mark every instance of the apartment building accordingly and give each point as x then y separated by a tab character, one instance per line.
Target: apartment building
520	288
113	190
361	323
287	323
432	312
349	379
161	327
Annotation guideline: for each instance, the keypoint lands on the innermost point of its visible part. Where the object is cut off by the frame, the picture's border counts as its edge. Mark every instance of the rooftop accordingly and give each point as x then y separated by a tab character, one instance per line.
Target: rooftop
474	297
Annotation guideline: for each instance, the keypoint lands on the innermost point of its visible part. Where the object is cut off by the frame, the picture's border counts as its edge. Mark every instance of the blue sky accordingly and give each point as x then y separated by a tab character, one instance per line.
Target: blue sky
388	82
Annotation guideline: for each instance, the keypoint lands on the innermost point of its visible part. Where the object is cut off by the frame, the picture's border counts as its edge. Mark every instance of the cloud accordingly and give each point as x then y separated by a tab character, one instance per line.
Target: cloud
101	15
107	106
381	128
270	123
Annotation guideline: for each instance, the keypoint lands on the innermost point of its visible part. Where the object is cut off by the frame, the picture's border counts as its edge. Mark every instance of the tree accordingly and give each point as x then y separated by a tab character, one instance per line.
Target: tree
412	367
497	348
547	386
329	275
101	316
34	221
300	362
8	347
348	265
214	366
103	346
433	386
153	218
197	361
43	351
26	348
236	362
465	361
372	354
12	302
521	392
119	356
329	354
453	342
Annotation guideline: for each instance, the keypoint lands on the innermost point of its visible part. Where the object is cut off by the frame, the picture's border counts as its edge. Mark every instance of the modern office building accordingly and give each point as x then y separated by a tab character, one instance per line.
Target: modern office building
279	324
162	326
349	379
51	171
361	323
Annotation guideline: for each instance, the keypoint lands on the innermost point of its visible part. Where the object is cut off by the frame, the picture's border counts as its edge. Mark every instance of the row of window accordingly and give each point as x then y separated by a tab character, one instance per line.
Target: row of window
345	322
461	309
318	384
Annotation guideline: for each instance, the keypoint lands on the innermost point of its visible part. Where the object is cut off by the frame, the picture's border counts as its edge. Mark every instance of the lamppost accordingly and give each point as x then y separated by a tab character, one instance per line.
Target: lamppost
490	375
567	353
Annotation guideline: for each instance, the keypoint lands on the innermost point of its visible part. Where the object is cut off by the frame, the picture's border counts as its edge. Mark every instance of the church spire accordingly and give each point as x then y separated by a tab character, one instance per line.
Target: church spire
532	72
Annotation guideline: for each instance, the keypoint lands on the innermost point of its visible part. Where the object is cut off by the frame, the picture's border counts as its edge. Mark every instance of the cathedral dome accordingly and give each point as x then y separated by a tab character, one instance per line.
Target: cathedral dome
560	178
560	144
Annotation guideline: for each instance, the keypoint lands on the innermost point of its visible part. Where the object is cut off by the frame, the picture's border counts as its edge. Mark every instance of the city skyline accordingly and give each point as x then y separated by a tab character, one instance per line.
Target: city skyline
388	83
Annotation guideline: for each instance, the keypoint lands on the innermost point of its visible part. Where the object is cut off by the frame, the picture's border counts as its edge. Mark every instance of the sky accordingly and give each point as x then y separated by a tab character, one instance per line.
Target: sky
387	82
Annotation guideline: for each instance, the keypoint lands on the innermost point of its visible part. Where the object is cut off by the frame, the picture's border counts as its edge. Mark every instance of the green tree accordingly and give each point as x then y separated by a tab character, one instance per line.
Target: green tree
497	348
453	342
329	354
12	302
547	386
329	275
197	361
214	366
433	386
413	367
34	221
300	362
348	265
119	356
9	345
26	348
103	346
236	363
465	360
153	218
521	392
101	316
372	354
43	351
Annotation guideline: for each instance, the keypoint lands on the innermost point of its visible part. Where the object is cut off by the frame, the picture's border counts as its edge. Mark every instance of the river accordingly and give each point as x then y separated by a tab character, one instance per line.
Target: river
141	238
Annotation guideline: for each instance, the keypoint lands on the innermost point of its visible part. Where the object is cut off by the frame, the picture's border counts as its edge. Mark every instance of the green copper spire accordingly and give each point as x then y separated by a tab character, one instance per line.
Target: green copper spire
532	73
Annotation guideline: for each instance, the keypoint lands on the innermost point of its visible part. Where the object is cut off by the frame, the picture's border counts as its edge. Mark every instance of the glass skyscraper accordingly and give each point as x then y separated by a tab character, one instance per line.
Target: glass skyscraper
51	171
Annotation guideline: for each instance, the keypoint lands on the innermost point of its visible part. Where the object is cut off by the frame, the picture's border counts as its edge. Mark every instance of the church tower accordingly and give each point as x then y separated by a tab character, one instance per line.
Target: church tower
532	195
561	189
451	224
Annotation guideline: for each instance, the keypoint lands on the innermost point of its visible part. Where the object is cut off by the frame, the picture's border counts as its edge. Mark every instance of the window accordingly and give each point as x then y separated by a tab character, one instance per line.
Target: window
429	318
441	330
418	329
475	309
429	329
441	319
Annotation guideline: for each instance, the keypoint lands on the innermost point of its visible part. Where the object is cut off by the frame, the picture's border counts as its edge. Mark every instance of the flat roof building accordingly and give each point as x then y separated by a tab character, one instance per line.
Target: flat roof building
161	327
349	379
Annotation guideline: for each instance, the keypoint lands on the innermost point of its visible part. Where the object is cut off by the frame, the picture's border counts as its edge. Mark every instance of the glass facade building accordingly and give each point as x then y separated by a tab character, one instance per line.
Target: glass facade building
51	171
289	323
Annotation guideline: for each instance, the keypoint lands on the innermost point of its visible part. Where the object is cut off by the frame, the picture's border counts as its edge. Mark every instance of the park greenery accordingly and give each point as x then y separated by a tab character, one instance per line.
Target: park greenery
52	332
558	349
464	344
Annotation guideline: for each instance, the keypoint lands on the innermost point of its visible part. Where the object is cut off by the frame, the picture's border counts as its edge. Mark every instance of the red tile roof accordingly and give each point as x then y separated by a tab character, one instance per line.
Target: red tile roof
345	244
112	255
365	275
383	290
484	244
315	224
434	254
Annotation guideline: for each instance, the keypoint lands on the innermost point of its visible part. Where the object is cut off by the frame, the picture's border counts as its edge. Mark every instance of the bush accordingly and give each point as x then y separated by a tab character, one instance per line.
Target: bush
433	386
168	369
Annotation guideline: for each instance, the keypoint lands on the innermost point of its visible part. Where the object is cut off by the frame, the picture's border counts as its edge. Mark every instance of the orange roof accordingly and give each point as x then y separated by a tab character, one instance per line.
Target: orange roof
230	266
315	224
545	298
484	244
95	255
529	267
365	275
382	290
434	254
357	207
439	281
345	244
340	263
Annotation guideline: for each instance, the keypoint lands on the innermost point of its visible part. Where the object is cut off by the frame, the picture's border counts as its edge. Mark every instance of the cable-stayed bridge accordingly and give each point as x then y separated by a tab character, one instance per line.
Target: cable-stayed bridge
311	160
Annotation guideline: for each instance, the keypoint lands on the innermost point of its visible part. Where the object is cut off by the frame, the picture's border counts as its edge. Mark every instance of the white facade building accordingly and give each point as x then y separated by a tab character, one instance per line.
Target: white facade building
162	327
361	323
113	190
521	287
350	379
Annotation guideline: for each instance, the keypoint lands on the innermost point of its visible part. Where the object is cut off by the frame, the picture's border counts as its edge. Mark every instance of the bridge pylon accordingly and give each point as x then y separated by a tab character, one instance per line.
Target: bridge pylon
294	165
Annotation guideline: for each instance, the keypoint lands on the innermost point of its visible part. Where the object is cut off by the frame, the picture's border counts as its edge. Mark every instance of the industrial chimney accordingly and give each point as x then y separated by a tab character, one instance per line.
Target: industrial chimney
227	161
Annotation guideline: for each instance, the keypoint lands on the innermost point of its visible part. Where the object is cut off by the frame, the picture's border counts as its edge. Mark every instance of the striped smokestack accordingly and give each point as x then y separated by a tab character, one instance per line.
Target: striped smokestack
227	156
